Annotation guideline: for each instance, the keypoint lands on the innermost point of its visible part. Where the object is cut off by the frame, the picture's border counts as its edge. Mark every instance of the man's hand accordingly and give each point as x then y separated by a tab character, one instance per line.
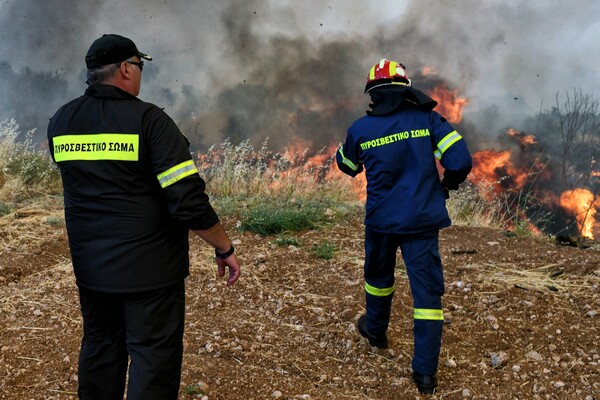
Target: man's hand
234	268
217	237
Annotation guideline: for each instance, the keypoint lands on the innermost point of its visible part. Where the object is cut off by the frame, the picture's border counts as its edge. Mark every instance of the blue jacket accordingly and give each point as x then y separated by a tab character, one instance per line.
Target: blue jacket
398	148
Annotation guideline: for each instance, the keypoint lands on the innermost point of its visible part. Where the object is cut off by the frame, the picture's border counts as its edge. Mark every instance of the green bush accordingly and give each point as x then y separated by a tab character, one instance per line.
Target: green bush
5	209
324	250
283	241
25	170
33	168
276	217
55	222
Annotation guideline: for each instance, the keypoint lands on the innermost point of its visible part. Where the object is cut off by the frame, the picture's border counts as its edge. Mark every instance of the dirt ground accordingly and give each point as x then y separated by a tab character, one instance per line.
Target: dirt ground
521	318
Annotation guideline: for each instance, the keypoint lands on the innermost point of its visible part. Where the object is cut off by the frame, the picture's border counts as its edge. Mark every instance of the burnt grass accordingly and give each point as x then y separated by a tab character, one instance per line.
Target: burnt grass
521	317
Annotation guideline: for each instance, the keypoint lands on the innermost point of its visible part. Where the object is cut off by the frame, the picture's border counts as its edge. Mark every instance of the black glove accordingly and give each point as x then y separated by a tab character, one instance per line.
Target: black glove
446	193
452	179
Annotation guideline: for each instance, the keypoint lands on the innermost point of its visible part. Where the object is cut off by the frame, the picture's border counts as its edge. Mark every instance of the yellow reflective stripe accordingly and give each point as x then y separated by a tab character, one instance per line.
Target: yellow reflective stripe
429	314
393	65
98	146
372	74
379	292
177	173
448	141
346	161
437	154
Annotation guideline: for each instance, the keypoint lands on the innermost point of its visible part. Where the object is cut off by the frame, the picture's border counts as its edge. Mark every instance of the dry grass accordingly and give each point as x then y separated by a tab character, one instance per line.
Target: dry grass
237	176
549	278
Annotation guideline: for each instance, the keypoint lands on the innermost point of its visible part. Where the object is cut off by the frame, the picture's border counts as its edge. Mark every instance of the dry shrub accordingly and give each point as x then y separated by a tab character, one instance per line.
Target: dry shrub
25	171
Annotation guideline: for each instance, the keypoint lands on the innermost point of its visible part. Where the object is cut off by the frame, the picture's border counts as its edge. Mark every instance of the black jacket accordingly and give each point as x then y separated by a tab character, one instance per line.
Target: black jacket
131	191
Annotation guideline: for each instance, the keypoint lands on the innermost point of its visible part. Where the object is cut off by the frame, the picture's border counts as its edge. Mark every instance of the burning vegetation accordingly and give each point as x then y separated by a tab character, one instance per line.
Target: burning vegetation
545	183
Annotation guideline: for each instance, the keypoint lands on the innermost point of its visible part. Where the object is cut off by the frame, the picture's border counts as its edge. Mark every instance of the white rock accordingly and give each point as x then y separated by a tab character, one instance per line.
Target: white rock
466	393
499	359
534	355
559	384
538	388
450	363
276	394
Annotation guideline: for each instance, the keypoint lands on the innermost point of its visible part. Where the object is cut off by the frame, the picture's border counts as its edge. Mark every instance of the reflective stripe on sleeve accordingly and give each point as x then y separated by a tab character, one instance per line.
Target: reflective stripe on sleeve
446	143
348	162
429	314
372	290
177	173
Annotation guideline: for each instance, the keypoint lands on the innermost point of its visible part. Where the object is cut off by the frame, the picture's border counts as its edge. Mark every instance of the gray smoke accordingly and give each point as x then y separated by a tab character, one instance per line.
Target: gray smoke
286	69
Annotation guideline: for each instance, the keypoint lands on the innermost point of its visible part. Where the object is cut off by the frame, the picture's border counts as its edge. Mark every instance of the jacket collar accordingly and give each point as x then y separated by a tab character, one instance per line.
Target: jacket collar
110	91
389	99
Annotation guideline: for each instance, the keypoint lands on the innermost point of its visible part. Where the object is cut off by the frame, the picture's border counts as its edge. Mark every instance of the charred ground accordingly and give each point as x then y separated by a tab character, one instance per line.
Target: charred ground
521	318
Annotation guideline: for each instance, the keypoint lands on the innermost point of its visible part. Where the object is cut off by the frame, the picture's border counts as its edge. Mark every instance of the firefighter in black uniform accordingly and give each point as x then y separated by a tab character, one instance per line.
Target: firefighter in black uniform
131	194
397	144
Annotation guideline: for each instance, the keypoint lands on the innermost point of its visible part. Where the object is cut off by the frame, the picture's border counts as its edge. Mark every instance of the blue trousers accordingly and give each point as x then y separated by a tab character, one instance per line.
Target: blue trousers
424	268
143	330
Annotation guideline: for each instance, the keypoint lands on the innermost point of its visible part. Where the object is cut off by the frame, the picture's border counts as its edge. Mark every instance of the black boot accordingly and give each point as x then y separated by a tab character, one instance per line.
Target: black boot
377	341
425	383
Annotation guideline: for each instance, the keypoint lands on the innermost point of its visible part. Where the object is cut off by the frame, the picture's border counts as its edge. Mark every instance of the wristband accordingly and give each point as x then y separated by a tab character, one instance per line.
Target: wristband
226	254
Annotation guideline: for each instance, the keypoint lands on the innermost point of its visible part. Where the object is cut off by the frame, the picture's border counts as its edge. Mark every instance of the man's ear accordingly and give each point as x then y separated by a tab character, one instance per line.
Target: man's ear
125	70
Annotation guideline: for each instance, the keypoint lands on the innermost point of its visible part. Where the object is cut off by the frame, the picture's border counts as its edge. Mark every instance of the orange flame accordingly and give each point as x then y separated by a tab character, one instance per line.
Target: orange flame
427	70
581	203
450	104
523	139
492	167
359	182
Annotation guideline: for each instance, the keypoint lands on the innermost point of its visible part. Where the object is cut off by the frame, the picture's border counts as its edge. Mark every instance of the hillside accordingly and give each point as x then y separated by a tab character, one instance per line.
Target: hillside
286	330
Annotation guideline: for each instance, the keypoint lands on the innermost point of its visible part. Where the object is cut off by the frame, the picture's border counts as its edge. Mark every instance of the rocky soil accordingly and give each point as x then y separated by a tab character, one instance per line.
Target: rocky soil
521	318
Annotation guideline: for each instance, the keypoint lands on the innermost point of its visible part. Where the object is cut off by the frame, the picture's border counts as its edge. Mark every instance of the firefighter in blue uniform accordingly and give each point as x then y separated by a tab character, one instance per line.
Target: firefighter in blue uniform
397	144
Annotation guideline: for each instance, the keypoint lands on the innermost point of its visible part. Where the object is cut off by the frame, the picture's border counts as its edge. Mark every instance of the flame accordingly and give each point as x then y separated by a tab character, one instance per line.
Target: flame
450	104
358	183
494	169
427	71
581	203
523	139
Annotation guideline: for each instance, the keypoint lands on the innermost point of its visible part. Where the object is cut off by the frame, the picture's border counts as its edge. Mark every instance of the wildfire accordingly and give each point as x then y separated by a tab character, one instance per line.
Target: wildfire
427	71
581	203
494	169
523	139
450	104
525	177
521	177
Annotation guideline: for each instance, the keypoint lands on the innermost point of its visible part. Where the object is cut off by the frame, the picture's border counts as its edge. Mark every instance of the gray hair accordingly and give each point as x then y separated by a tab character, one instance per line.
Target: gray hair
103	74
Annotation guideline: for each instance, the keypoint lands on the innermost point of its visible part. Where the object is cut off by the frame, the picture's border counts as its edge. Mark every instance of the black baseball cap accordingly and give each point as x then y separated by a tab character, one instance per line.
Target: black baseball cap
111	49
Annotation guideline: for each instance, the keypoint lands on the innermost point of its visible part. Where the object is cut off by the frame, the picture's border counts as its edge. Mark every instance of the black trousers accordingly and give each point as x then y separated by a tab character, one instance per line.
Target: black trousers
141	330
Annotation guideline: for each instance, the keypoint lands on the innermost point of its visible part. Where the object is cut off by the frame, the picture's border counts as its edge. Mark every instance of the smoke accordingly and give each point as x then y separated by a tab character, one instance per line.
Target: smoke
285	69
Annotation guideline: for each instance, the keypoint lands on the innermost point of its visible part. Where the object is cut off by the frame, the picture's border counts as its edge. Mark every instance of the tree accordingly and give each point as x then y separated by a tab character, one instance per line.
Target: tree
579	127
